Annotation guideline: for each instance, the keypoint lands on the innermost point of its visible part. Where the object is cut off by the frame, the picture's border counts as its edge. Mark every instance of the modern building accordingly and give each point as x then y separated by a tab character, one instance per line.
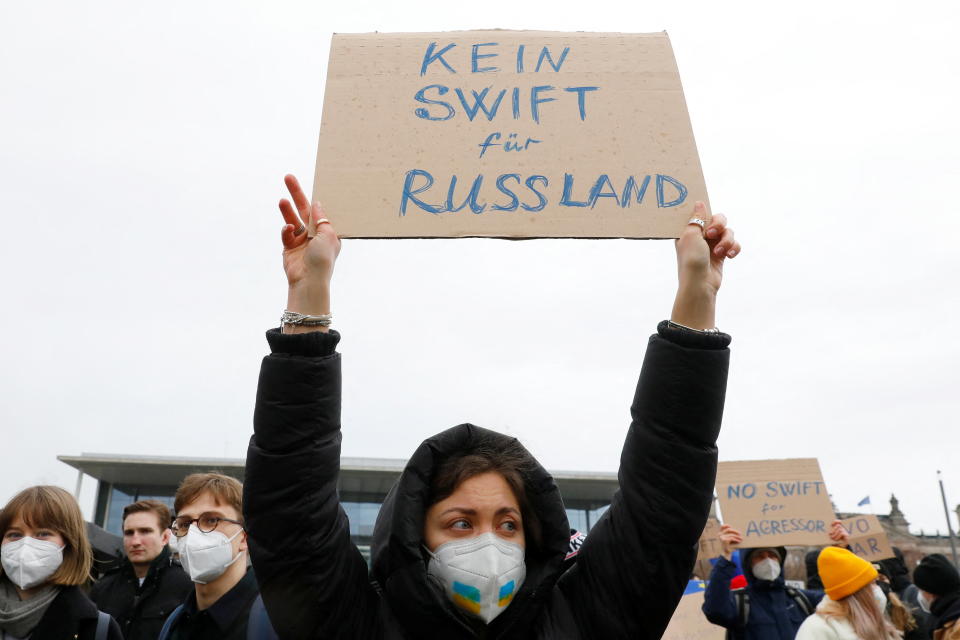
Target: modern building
364	483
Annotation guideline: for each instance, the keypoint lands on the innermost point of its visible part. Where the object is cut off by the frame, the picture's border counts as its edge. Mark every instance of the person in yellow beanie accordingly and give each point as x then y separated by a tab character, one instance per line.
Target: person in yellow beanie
854	604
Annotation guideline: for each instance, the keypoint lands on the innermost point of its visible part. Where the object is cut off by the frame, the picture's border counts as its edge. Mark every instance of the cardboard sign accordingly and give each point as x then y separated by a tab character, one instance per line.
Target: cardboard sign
688	621
515	134
709	547
867	538
775	502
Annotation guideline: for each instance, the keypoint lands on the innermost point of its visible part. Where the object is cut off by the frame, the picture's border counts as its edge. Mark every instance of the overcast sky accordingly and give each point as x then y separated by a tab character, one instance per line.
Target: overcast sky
142	150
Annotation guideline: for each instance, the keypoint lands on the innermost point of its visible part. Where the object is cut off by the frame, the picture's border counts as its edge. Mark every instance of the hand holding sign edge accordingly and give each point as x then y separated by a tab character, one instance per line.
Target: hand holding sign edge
730	538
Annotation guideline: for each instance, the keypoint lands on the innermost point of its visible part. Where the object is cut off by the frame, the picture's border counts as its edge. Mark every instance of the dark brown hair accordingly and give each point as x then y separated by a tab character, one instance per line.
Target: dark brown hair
224	489
161	510
48	507
499	454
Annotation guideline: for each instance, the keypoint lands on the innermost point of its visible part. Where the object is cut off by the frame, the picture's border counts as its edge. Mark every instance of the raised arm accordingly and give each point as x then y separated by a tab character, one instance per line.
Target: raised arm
635	562
719	605
312	577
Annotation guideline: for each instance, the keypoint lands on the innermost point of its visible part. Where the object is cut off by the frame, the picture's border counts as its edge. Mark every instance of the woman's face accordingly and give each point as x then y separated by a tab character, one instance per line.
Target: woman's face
19	529
482	504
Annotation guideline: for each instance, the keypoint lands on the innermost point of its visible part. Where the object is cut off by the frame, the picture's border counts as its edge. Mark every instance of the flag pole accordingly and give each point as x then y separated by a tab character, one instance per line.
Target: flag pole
946	512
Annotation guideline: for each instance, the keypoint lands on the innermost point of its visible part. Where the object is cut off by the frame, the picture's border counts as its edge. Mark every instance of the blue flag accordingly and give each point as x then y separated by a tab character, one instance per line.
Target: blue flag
864	501
695	586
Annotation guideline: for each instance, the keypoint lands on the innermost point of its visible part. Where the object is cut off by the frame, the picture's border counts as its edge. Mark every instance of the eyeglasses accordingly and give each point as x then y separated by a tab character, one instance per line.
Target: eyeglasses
206	522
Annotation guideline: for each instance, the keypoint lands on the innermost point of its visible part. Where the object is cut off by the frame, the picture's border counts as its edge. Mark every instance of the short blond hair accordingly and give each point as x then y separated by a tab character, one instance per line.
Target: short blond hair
224	489
49	507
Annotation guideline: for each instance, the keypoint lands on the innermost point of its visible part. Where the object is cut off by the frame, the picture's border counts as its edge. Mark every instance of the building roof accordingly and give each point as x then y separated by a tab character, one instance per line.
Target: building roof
359	477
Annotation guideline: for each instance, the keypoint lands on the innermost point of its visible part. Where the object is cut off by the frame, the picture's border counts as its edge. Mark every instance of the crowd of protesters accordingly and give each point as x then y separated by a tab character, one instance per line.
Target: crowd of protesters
847	597
473	539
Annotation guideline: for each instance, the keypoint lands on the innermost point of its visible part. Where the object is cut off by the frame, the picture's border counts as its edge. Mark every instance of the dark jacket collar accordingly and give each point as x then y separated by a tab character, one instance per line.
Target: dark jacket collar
64	615
225	611
158	564
398	563
946	608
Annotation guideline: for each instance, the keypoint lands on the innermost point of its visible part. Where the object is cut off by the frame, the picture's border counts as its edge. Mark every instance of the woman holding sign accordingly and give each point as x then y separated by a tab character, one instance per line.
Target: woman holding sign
471	540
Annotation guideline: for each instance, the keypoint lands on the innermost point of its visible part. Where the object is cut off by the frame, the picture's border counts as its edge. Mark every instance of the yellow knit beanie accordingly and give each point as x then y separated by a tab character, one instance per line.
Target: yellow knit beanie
843	573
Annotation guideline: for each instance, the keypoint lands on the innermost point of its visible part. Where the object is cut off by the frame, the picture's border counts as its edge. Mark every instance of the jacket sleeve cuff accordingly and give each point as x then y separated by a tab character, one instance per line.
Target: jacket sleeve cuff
723	568
312	344
692	339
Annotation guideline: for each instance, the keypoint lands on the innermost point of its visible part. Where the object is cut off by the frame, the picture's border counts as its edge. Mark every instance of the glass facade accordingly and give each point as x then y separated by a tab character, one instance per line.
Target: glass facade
113	498
583	519
361	508
362	515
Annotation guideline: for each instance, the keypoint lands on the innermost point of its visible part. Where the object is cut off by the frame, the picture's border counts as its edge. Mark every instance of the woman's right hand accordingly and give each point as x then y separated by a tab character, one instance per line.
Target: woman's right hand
308	262
730	538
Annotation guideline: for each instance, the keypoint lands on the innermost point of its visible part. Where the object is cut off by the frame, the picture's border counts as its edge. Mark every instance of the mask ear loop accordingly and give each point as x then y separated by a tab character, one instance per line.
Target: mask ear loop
239	553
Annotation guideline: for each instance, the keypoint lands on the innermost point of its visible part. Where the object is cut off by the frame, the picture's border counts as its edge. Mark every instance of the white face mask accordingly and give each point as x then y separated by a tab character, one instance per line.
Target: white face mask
767	569
29	562
923	602
880	598
206	556
480	575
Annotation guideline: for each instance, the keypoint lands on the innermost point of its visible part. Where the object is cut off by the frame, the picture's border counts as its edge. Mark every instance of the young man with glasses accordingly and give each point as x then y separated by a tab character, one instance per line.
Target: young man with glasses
225	603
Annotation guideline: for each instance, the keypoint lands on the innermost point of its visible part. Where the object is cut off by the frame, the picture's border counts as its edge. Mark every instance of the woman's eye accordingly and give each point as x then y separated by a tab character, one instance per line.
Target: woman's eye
12	535
460	524
44	533
509	525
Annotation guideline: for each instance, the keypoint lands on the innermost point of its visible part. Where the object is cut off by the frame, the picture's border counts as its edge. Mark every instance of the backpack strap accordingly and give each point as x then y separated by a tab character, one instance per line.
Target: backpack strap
801	599
258	624
103	626
742	600
171	620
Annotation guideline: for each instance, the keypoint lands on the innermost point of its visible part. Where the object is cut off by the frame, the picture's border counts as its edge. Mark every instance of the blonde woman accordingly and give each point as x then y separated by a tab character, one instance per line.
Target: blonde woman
853	608
45	558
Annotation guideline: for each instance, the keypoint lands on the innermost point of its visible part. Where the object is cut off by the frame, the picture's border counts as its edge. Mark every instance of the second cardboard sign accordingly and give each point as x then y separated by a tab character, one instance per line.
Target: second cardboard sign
775	502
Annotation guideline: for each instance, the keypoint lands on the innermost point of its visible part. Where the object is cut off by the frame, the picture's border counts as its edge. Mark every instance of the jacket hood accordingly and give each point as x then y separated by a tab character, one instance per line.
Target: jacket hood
754	581
398	563
813	571
896	569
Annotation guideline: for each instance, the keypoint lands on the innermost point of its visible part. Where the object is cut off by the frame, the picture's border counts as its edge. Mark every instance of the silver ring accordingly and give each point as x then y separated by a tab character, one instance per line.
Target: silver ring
321	221
699	222
300	230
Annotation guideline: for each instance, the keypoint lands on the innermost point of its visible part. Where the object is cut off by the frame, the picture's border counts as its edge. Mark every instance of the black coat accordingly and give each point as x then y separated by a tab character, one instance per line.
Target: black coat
630	572
72	616
141	611
945	610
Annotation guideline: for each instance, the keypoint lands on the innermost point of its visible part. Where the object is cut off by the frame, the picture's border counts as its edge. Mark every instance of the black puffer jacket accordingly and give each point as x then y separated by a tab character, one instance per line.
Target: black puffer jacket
142	610
630	572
